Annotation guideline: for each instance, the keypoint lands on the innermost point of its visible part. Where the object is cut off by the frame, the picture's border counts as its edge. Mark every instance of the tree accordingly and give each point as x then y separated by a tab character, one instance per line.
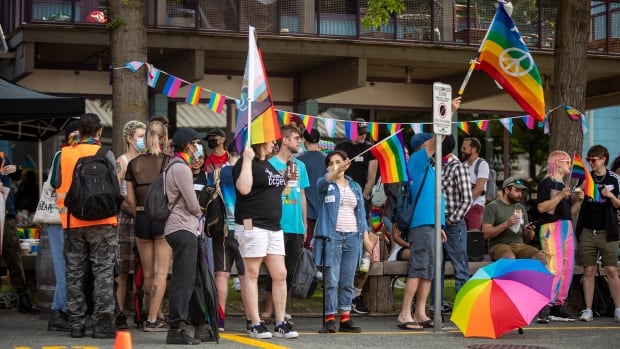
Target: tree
570	76
128	42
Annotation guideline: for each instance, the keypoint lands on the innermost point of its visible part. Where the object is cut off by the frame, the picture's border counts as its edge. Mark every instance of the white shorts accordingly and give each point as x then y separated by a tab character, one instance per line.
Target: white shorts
259	242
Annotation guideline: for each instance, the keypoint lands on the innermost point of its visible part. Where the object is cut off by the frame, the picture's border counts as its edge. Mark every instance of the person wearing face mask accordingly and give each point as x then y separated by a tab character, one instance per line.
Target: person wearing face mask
133	132
216	141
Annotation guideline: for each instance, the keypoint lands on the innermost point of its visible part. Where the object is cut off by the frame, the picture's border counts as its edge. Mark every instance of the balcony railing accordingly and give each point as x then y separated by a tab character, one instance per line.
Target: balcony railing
460	22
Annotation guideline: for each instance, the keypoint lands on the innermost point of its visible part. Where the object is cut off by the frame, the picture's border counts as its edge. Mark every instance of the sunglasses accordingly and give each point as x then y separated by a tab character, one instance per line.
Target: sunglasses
594	159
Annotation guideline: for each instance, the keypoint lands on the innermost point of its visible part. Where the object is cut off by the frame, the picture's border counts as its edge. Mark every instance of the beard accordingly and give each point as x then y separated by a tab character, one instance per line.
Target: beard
465	157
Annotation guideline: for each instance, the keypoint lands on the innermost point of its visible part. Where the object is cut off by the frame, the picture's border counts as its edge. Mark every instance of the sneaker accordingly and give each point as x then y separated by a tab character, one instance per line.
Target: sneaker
349	326
121	321
330	326
398	283
617	315
179	336
155	326
77	331
248	325
260	332
203	333
358	306
557	312
543	315
285	330
58	322
104	329
586	315
236	284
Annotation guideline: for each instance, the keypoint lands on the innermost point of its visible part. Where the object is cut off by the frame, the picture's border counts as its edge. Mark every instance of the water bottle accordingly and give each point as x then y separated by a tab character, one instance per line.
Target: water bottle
365	263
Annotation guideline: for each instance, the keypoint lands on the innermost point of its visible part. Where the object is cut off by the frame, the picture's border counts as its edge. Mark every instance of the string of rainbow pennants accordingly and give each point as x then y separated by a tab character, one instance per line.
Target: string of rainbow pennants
170	86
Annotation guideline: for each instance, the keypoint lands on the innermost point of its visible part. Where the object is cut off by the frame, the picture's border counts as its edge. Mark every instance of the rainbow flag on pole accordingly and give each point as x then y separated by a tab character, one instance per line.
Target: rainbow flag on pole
390	153
580	171
505	57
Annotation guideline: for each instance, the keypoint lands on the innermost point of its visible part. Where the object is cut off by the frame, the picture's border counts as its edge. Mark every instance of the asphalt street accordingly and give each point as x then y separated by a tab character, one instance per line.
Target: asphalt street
19	331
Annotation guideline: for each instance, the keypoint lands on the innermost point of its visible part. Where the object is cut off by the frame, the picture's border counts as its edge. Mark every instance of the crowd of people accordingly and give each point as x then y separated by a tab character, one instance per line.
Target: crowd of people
281	197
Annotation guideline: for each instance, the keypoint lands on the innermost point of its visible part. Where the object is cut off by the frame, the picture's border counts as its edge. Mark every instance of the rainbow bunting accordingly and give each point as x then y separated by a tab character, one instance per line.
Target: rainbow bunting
285	117
464	126
528	121
390	154
193	95
172	86
152	76
217	102
394	127
350	129
482	124
256	97
507	122
308	121
573	113
505	57
373	130
580	172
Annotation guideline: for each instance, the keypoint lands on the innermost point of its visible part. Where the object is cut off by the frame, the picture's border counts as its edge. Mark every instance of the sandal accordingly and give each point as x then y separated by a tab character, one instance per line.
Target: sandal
266	320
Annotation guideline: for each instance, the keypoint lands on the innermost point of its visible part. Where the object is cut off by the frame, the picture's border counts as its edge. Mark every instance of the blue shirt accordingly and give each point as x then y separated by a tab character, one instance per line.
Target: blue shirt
424	213
315	165
292	220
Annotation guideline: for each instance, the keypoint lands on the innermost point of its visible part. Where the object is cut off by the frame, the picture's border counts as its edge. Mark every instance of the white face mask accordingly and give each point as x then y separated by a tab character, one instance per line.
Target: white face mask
198	152
140	146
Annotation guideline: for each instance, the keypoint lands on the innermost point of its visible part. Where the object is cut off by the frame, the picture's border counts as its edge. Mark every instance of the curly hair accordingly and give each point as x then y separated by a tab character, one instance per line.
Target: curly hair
130	128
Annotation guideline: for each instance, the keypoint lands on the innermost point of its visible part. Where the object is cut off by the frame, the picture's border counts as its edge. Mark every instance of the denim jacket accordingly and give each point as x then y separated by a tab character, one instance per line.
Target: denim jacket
328	214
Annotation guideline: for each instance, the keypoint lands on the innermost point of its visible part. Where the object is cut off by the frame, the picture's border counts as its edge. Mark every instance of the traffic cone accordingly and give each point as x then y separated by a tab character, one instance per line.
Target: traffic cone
123	340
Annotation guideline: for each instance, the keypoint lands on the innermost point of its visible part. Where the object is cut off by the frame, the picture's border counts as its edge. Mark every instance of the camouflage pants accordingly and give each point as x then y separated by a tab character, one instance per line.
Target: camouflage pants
12	256
95	245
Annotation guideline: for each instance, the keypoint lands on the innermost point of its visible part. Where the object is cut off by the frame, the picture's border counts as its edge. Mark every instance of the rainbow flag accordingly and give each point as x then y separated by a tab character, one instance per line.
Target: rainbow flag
350	129
373	130
390	153
580	171
482	124
464	126
255	96
308	121
217	102
285	117
505	57
394	127
193	95
572	112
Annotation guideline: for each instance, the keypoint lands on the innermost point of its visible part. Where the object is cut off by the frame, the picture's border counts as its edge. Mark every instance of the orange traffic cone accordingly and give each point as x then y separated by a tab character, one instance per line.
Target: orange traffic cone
123	340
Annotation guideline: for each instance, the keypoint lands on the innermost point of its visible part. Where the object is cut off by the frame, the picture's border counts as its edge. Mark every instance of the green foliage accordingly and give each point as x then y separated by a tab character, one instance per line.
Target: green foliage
115	23
380	12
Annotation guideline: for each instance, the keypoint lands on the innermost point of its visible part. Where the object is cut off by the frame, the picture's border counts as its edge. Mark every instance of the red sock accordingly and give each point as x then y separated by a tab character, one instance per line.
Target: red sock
329	317
345	317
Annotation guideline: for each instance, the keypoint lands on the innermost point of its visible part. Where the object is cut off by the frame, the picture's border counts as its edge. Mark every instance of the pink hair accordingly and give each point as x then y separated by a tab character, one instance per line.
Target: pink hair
555	155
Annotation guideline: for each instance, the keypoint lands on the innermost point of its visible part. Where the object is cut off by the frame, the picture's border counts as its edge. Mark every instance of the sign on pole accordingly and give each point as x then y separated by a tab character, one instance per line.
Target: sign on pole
442	108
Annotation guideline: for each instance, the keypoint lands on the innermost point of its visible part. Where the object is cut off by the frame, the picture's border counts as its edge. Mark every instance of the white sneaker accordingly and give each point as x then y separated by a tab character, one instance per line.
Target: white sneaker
399	284
586	315
617	315
236	284
260	332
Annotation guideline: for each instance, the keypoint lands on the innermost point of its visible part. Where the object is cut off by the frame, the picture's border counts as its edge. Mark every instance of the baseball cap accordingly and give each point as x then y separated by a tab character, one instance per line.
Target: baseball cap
418	139
185	135
313	136
362	126
515	182
216	132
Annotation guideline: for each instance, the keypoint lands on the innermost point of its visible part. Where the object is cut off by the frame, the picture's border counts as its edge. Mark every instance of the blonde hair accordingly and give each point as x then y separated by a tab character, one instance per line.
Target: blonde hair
156	134
130	128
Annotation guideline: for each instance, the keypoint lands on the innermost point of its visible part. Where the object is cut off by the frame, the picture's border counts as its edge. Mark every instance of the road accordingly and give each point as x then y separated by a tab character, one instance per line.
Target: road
19	331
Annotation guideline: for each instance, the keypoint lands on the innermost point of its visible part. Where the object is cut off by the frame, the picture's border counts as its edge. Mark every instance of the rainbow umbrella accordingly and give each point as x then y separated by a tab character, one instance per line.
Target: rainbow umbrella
502	296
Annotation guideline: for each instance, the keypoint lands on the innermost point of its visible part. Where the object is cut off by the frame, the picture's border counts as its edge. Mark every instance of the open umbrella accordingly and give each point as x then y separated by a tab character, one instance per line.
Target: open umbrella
502	296
209	289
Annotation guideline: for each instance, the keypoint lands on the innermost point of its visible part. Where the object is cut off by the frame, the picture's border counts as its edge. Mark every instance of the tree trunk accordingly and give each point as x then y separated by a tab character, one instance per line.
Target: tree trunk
570	76
127	43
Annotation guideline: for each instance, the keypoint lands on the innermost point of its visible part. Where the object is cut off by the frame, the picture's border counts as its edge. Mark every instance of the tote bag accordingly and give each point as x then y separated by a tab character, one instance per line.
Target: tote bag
47	210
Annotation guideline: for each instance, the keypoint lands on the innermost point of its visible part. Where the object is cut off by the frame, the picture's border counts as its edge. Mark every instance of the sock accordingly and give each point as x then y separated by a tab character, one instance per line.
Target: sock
345	317
357	292
329	317
278	323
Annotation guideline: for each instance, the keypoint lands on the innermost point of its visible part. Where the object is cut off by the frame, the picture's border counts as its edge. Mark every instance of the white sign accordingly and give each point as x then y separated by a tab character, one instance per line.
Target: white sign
442	108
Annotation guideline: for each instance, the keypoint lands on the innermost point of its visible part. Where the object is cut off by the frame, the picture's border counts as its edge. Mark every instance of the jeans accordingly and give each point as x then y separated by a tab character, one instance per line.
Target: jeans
341	272
455	249
56	236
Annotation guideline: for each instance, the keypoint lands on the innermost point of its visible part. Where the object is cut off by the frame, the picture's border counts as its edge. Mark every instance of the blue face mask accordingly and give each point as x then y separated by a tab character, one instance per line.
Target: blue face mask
198	152
140	146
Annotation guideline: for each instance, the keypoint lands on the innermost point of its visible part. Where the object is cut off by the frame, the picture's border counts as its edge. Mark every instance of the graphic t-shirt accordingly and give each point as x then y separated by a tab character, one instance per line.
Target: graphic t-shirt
263	204
292	219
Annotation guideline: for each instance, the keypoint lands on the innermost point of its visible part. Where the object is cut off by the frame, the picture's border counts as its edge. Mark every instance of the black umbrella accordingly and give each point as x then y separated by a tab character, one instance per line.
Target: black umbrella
209	289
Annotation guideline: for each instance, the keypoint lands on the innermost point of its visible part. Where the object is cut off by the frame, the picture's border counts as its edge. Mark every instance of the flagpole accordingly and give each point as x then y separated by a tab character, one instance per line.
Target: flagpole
376	144
250	84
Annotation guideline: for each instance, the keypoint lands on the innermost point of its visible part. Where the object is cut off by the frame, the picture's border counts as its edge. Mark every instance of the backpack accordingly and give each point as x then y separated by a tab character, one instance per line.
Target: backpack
602	303
490	190
94	193
377	195
303	282
156	201
213	207
405	204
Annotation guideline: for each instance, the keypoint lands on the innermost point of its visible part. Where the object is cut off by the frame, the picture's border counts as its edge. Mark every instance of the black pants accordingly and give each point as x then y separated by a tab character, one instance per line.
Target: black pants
293	245
185	293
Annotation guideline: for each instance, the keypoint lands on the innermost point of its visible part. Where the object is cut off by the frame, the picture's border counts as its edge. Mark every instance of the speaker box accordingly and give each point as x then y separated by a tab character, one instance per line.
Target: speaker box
476	246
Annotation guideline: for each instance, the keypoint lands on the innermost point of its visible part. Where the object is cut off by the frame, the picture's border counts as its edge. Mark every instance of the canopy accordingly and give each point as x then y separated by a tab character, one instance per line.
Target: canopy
27	115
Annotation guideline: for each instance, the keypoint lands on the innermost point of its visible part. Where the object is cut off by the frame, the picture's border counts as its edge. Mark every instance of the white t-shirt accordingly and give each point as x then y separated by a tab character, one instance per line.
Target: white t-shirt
483	172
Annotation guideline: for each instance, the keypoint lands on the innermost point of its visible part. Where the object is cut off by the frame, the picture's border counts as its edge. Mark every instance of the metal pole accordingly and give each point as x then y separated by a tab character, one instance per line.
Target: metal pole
438	248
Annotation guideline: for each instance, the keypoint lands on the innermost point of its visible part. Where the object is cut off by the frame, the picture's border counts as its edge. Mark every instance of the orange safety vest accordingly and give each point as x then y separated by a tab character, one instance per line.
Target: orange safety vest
69	156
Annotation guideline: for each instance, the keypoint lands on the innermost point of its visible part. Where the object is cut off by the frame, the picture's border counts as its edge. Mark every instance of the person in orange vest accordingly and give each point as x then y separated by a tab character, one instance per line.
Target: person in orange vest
87	240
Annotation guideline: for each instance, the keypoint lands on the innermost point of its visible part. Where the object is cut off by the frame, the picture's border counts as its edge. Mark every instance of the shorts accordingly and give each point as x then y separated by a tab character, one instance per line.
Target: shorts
225	252
147	228
126	242
422	256
591	244
473	218
259	242
520	250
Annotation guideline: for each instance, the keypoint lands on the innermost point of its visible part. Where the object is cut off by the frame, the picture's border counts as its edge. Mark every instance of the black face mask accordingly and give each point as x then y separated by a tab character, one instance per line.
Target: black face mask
212	143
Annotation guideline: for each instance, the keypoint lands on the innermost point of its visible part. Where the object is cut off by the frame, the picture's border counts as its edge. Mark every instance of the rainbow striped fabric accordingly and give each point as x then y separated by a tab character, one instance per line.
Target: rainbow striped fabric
505	57
193	95
217	102
373	130
390	153
580	172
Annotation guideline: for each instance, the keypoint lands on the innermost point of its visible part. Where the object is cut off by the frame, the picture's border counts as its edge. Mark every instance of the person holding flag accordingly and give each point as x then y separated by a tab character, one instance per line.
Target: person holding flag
597	226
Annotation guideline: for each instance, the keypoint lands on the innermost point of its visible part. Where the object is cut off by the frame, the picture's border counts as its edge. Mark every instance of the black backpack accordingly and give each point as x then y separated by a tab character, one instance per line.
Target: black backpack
94	193
405	205
303	282
602	302
156	201
213	207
